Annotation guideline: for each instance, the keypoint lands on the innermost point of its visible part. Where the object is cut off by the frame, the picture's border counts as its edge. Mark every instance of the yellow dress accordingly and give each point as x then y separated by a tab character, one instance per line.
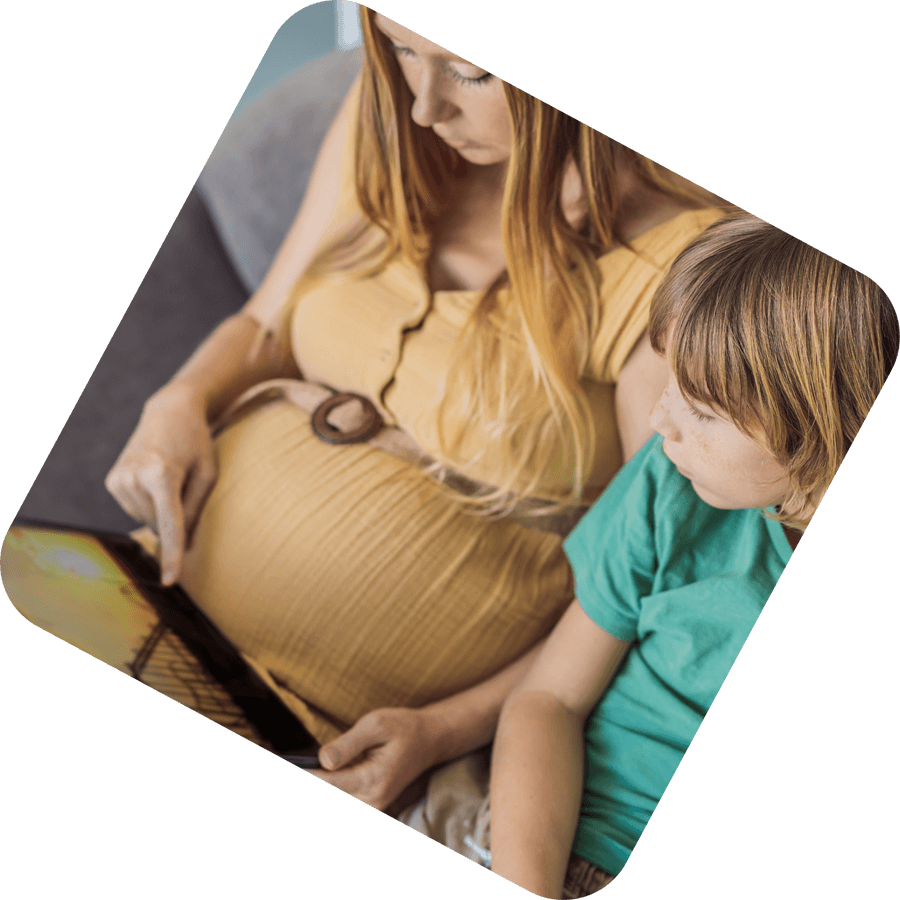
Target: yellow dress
345	574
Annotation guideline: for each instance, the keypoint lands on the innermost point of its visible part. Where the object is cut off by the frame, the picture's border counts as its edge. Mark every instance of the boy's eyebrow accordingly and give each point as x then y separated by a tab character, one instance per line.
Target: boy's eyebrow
700	406
705	410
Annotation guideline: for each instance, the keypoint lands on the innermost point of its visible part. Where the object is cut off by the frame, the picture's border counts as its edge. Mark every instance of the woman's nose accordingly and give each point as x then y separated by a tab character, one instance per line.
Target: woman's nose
430	105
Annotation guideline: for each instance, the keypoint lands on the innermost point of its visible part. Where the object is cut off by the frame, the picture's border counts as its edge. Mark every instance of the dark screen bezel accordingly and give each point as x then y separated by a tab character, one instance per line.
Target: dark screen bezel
215	652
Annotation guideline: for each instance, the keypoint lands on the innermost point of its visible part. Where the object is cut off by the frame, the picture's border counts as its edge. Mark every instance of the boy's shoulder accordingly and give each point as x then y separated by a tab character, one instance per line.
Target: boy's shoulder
615	550
647	486
650	533
652	471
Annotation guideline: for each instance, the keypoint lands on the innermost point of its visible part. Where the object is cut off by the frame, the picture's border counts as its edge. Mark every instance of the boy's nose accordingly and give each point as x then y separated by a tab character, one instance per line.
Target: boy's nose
656	416
661	420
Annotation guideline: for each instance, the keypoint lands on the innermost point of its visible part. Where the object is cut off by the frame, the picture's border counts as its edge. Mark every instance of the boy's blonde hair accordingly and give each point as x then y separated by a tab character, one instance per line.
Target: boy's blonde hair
790	344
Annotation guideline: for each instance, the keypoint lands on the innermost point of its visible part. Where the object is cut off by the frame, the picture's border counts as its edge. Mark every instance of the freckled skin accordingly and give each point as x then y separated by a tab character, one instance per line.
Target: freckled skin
467	108
726	468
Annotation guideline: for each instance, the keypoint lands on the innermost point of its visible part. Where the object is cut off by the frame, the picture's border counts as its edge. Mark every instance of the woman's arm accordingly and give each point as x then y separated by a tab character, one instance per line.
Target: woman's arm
167	468
223	366
538	761
640	385
387	749
468	720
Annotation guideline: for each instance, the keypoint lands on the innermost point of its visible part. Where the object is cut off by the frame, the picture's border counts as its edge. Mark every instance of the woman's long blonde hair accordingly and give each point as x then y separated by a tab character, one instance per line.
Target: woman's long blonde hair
517	369
790	344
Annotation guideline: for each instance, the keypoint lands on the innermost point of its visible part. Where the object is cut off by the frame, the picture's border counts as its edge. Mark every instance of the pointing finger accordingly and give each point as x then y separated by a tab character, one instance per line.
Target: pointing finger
166	495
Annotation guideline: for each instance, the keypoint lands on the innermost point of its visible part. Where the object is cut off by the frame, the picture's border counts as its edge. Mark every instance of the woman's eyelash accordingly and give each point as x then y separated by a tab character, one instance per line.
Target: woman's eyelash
400	50
476	82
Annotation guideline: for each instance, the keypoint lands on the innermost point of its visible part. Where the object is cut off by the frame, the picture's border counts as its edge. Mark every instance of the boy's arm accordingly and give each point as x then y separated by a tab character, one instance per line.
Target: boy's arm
537	769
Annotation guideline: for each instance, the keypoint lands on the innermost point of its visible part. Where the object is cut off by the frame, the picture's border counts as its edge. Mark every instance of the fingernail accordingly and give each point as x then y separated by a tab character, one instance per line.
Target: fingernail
327	759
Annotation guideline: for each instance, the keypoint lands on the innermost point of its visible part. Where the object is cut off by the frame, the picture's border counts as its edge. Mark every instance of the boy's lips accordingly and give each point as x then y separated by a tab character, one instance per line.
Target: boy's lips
674	462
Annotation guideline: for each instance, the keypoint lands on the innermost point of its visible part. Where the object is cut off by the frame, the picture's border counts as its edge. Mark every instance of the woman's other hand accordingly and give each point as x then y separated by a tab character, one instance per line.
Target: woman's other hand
166	471
383	753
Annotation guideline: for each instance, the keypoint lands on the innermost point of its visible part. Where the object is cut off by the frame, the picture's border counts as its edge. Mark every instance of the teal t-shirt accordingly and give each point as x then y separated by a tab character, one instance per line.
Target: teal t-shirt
685	582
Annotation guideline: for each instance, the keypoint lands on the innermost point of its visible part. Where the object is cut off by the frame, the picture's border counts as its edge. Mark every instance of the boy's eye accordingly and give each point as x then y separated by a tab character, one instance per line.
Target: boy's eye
701	417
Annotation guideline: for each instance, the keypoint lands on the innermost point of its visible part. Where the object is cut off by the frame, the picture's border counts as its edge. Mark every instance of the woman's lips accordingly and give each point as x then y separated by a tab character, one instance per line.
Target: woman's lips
460	145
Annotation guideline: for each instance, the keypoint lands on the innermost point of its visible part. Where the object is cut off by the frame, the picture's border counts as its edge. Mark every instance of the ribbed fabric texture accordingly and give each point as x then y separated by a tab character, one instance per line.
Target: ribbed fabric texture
348	575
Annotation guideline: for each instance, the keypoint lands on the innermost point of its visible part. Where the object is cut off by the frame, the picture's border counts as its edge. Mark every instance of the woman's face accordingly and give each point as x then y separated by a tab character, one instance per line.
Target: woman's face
462	104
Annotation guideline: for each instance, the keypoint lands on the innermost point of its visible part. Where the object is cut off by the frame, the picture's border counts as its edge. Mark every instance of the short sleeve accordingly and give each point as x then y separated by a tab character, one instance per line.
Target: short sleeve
630	277
612	550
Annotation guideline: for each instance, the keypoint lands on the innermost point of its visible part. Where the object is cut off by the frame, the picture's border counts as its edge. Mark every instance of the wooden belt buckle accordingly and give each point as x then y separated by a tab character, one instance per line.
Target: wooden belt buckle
370	426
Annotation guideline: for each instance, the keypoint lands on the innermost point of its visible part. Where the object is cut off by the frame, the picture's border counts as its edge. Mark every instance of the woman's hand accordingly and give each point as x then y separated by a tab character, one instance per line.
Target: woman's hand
166	471
387	749
383	753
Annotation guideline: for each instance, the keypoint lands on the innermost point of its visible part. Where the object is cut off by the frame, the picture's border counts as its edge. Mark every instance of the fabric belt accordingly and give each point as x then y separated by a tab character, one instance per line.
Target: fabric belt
334	420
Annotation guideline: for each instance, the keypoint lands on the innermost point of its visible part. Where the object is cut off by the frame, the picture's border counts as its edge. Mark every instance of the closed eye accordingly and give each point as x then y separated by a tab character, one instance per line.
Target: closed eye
701	417
400	50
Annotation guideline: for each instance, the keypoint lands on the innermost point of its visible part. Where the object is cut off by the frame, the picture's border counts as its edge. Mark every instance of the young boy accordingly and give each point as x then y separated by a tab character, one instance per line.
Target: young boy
776	354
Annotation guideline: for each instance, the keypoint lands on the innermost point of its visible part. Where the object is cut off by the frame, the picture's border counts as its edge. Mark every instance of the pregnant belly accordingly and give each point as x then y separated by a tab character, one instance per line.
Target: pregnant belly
355	580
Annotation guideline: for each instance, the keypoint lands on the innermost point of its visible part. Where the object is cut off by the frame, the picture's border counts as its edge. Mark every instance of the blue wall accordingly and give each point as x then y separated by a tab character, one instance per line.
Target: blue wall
306	36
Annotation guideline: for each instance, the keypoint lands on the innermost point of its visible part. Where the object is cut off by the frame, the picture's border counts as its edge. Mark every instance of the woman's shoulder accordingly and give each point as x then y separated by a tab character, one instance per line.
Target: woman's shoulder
690	196
657	203
631	275
346	163
327	210
662	242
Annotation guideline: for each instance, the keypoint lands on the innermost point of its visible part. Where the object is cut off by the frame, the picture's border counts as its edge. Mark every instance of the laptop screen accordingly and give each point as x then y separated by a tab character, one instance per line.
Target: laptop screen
96	592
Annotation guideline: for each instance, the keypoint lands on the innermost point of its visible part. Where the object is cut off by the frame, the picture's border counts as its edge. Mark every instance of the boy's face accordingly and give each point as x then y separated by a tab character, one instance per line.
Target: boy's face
727	469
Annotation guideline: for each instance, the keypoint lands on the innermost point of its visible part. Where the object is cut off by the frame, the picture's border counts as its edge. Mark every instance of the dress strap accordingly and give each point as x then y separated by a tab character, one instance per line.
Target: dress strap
344	418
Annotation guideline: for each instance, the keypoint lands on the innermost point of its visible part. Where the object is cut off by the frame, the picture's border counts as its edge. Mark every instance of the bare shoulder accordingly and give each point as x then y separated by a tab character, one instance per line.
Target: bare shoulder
645	207
661	208
313	223
693	195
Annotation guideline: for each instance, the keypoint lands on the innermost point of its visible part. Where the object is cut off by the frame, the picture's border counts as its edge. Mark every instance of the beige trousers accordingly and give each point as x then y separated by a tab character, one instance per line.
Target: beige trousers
456	811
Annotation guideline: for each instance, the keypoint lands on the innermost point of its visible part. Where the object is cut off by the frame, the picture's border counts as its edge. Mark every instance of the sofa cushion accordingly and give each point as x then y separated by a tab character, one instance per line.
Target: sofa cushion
256	177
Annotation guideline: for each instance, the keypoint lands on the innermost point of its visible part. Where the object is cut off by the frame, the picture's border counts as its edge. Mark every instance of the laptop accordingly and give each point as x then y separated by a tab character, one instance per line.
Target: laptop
101	592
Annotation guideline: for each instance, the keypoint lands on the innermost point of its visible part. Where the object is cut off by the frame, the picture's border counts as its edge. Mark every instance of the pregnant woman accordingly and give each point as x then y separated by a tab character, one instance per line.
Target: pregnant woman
474	269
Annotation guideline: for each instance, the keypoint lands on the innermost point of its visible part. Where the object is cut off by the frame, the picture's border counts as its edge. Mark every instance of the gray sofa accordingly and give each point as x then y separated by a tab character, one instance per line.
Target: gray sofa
213	257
